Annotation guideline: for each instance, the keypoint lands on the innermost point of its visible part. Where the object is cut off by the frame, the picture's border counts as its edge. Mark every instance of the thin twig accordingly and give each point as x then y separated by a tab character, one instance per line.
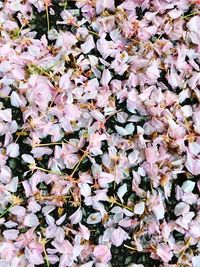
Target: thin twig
190	15
6	210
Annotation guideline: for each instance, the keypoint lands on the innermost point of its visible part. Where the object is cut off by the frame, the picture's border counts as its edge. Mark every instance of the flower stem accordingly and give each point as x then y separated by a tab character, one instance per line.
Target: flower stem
47	14
46	257
113	201
65	5
183	250
190	15
20	30
37	68
45	170
43	242
126	246
6	210
78	164
57	143
123	206
47	144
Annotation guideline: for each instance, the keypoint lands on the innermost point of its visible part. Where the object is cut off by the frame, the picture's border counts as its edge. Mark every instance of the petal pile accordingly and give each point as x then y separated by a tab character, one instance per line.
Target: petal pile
99	133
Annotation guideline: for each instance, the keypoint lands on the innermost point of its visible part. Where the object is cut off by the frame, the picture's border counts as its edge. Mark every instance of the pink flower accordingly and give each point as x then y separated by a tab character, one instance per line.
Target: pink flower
102	4
193	165
193	28
84	231
164	252
102	253
176	131
106	77
88	45
76	216
34	256
151	154
18	211
5	115
11	234
118	236
40	91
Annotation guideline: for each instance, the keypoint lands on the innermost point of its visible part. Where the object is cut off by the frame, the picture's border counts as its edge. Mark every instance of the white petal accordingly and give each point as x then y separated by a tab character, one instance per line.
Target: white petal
64	82
94	218
181	209
118	236
88	45
12	186
5	66
196	261
31	220
27	158
4	263
106	77
76	217
122	191
139	208
6	115
159	211
97	115
133	157
61	220
18	211
40	151
85	233
60	235
11	234
130	128
93	60
12	150
85	189
188	186
120	130
15	100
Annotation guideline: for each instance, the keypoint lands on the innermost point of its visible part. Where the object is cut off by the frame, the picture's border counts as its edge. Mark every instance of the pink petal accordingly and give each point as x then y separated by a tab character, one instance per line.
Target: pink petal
11	234
88	45
60	234
64	82
18	211
151	154
193	165
102	253
164	252
6	115
76	216
106	77
118	236
63	247
27	158
85	233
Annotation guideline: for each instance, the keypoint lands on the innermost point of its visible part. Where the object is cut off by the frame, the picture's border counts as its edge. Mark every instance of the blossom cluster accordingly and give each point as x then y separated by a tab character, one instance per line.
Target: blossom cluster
99	133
